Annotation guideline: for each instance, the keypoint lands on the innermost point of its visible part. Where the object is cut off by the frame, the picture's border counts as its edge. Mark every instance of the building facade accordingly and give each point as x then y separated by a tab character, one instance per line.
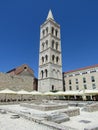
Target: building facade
21	77
50	61
81	79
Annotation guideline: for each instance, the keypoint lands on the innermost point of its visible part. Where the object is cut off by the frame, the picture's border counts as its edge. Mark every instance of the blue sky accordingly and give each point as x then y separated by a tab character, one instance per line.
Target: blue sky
20	22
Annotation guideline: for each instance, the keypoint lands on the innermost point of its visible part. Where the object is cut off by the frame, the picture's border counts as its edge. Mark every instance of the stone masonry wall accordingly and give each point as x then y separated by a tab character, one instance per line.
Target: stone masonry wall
16	83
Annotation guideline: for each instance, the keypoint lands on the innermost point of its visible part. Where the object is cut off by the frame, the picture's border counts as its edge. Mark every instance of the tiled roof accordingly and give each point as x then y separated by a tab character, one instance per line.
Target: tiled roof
20	69
80	69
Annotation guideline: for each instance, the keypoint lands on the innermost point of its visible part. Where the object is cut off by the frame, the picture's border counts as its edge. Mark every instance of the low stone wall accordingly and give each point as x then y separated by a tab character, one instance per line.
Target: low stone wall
72	112
45	107
91	108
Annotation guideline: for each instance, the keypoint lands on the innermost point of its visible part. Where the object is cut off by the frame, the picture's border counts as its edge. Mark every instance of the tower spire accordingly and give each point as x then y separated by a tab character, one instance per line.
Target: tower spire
50	15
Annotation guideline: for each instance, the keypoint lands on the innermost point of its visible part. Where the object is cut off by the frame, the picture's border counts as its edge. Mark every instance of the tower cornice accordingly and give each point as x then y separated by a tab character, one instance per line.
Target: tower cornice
46	64
51	21
51	36
51	49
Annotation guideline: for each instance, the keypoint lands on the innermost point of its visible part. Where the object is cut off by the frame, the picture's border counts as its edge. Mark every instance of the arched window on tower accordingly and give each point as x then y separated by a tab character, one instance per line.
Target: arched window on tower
56	32
52	87
57	59
53	44
46	30
43	46
52	30
46	43
56	45
42	60
53	58
43	32
46	57
54	73
42	74
46	73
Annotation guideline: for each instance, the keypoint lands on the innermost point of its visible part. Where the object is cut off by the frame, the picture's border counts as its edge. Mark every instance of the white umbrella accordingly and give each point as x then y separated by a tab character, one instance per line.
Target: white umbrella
71	93
48	93
95	91
35	93
7	91
23	92
81	92
60	93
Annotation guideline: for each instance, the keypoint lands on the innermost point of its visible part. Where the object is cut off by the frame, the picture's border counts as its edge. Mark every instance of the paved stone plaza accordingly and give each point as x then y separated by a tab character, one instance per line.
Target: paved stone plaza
25	118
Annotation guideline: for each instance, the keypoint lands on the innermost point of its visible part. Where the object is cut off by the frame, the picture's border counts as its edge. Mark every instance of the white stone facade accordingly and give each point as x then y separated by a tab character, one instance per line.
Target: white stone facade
80	79
50	61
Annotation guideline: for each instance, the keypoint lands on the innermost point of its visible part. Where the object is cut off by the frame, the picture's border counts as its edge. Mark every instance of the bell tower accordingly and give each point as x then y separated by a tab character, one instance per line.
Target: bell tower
50	61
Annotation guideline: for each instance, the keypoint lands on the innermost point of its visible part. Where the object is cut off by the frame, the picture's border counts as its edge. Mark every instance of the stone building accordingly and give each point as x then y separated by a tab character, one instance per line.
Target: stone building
81	79
21	77
50	61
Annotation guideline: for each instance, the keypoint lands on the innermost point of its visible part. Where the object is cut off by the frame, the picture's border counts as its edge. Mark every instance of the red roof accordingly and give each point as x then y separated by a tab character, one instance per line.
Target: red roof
84	68
20	69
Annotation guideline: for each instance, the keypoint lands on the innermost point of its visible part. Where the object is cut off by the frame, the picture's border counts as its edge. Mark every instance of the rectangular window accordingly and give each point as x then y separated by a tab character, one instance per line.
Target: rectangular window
85	86
94	86
92	71
70	75
84	73
69	81
77	87
70	87
92	78
76	81
84	80
77	74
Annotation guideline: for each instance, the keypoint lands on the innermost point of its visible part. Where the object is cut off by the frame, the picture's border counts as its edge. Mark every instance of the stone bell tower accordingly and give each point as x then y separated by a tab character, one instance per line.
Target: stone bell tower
50	61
